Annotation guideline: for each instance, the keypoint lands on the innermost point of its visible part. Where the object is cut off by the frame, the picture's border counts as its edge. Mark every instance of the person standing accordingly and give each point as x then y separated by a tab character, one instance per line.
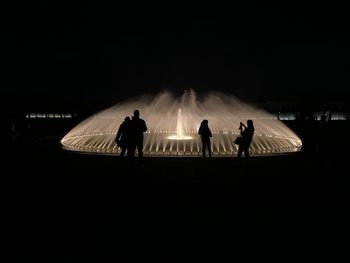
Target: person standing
123	136
247	133
205	134
137	128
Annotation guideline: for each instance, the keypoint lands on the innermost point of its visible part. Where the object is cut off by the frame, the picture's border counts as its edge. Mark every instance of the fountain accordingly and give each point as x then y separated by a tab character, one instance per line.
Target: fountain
173	126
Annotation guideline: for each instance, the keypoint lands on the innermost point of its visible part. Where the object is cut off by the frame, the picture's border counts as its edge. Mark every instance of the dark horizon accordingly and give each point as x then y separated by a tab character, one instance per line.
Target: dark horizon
91	56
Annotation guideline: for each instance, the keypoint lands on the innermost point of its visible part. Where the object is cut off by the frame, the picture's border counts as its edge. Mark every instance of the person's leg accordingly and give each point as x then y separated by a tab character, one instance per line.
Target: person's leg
122	153
140	150
203	148
246	152
131	151
209	148
240	150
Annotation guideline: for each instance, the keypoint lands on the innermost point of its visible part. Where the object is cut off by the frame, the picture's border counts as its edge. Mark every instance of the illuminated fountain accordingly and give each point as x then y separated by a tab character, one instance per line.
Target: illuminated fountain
173	126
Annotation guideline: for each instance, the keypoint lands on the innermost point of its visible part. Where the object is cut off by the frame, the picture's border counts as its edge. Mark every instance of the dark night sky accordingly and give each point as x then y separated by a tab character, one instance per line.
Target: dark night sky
90	54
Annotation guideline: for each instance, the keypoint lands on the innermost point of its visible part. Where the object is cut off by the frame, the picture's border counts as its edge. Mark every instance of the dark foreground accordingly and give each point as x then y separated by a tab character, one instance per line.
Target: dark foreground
64	205
317	176
289	180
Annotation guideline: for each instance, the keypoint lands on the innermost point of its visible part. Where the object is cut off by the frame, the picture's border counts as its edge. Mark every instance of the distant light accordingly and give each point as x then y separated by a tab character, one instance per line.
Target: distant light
287	116
338	116
39	115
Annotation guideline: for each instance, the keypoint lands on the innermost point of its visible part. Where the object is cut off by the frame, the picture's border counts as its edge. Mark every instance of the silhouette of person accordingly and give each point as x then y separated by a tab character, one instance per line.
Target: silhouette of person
247	133
137	128
205	134
123	136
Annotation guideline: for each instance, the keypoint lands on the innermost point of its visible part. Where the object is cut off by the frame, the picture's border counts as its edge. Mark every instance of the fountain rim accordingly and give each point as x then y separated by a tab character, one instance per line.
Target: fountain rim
198	155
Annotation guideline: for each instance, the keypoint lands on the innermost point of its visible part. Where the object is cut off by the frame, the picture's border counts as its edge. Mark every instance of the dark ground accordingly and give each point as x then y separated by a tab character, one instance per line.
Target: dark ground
74	205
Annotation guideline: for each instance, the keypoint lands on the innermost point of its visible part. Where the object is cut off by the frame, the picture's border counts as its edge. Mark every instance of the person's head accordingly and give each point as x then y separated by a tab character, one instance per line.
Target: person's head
127	118
205	122
136	113
249	123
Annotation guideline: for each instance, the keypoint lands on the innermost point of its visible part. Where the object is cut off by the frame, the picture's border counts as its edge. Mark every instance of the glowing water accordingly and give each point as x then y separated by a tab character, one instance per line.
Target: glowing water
173	126
179	129
179	124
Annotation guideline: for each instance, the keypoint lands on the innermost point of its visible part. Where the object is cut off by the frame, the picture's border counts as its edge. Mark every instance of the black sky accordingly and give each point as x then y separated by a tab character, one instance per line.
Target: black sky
92	53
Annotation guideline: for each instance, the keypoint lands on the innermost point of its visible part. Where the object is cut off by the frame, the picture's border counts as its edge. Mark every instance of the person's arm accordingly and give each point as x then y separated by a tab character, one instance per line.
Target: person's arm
200	130
241	126
119	133
144	126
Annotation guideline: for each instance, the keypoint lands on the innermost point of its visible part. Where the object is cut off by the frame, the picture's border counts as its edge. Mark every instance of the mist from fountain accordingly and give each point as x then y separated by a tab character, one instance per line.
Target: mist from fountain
173	126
